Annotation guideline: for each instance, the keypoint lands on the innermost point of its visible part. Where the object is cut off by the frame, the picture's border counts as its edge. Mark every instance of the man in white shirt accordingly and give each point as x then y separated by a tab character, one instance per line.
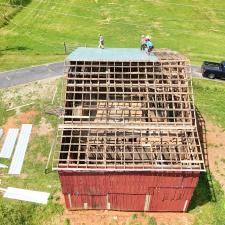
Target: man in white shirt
100	41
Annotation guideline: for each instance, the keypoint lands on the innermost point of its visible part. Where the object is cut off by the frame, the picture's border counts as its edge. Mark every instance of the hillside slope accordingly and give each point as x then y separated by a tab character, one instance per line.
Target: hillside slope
36	34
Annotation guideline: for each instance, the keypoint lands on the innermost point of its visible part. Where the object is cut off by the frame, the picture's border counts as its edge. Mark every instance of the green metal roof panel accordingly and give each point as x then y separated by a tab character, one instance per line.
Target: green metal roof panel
111	54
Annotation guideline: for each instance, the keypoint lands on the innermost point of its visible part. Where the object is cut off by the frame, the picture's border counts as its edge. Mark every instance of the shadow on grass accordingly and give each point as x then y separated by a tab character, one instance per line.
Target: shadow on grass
16	48
19	2
204	191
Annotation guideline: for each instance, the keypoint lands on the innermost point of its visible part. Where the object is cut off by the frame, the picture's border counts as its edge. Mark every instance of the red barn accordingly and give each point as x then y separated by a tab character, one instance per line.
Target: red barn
129	138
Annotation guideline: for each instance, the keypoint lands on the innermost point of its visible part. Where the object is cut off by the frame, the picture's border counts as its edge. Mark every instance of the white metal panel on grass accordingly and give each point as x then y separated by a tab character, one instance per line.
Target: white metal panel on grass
1	132
9	143
26	195
3	166
21	147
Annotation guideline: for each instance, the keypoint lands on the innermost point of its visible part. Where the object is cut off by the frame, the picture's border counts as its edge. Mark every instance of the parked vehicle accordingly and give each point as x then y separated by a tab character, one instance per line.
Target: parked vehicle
213	70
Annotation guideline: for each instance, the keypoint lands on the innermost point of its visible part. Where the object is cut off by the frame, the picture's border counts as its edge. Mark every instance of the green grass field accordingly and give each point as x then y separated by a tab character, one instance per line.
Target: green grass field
210	99
36	33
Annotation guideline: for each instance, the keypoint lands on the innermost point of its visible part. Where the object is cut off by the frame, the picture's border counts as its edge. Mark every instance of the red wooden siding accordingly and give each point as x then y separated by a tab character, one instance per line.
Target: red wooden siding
127	201
128	191
93	201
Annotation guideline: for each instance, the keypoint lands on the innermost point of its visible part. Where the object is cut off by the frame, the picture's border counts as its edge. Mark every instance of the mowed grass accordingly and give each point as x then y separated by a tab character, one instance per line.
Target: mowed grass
9	8
210	99
6	12
36	34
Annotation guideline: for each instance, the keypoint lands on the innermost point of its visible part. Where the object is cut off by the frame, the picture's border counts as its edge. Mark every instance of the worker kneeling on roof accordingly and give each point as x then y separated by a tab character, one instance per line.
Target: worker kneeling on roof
148	44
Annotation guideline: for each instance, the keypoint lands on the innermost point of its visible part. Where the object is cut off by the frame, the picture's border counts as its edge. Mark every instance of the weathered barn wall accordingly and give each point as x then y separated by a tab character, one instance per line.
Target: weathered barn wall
128	191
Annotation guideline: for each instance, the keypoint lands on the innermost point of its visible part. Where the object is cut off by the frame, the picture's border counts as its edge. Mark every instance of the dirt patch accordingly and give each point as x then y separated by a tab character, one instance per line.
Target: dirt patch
21	118
104	217
16	121
27	93
216	152
11	123
45	128
23	175
41	158
26	116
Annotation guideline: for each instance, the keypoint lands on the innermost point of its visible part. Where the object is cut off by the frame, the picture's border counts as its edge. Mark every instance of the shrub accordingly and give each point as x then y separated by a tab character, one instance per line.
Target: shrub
152	221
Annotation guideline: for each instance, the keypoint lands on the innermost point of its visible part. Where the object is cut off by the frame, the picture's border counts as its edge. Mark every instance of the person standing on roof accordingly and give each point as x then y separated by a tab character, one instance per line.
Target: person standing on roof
142	42
100	41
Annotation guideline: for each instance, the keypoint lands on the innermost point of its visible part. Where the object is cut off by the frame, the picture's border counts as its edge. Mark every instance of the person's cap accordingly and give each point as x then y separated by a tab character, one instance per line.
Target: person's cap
148	37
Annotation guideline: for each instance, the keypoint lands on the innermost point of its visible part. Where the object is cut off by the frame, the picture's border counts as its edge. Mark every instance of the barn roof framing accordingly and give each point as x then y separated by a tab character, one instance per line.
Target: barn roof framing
129	116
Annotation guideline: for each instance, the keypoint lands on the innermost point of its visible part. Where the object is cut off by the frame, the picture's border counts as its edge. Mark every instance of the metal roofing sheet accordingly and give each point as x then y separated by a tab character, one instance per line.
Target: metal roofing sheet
111	54
26	195
1	132
21	147
3	166
9	143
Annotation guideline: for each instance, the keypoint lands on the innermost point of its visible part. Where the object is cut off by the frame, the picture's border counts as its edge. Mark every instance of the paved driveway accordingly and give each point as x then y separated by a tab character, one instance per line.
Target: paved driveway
33	73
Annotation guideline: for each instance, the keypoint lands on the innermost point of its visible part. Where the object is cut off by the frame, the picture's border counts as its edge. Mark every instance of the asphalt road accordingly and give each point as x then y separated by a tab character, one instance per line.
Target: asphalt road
29	74
34	73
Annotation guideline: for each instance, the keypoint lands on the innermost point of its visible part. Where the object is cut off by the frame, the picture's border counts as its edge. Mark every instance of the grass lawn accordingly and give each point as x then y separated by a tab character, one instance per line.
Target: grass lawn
36	33
210	99
9	8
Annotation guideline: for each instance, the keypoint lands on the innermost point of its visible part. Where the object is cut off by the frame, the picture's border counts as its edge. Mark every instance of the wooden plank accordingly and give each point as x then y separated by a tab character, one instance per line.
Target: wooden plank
126	126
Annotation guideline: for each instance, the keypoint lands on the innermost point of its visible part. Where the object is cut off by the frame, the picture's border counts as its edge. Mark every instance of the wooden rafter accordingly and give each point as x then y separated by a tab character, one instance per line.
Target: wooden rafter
129	116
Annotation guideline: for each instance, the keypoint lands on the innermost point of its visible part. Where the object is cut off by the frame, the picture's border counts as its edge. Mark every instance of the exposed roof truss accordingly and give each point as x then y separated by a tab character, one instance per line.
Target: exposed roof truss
129	116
